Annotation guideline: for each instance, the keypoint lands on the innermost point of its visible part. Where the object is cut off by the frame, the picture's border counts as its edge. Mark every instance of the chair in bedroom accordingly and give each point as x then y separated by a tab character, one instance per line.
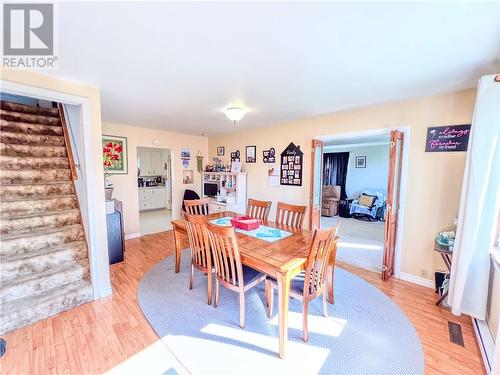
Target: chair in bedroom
330	197
369	206
312	282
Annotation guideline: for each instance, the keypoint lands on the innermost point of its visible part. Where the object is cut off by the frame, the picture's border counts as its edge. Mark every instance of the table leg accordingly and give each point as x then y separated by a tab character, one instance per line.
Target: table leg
330	275
283	299
177	245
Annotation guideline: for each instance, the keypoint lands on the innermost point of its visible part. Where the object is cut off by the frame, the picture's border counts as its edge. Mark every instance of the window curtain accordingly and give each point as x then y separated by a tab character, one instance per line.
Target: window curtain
335	166
479	203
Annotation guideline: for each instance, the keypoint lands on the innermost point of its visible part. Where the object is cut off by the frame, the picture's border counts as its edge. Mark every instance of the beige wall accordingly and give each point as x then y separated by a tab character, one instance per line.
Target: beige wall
42	86
125	186
434	179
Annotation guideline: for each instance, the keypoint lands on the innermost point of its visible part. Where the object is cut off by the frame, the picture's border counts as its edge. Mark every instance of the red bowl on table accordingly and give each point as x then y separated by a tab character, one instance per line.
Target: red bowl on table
245	223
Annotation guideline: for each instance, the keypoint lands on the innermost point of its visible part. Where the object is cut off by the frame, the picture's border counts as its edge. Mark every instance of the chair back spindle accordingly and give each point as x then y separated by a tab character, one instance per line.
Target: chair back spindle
197	206
289	214
198	241
258	209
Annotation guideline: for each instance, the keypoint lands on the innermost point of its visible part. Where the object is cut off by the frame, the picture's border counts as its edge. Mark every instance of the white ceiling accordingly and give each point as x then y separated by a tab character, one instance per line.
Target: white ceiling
175	66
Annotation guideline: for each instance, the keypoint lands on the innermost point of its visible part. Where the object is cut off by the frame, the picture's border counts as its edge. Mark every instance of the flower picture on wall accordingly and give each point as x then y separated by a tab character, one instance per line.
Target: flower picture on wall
114	152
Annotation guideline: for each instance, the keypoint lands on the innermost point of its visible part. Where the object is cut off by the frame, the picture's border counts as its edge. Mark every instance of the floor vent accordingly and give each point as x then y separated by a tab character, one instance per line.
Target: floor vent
455	331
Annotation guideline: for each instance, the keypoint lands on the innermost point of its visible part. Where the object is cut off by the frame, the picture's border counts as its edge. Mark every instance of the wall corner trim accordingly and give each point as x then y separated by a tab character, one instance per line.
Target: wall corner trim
416	280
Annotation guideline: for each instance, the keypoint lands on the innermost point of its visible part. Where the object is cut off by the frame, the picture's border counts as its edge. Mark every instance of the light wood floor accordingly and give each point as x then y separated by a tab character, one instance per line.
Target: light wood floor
101	335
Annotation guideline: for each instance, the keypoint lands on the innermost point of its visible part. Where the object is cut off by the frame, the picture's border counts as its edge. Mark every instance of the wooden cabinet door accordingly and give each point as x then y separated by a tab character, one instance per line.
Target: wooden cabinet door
391	217
316	183
158	198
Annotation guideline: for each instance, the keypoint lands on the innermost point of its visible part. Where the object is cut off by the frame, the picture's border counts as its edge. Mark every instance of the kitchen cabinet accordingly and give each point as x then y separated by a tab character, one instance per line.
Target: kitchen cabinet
152	163
152	198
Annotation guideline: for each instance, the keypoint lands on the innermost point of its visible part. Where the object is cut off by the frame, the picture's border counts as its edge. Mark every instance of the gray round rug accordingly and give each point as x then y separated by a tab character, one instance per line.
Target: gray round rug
365	333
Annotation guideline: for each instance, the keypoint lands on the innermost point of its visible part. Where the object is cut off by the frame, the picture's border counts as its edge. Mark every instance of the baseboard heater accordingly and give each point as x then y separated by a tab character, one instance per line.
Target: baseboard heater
485	341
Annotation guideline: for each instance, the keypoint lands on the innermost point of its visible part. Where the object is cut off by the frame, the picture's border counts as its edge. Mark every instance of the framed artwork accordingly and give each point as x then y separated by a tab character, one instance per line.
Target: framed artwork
185	154
291	166
115	156
269	156
235	155
251	154
220	151
360	162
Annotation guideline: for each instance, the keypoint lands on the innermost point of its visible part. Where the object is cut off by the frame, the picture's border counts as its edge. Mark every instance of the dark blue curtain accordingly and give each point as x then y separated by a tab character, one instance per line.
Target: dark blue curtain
335	170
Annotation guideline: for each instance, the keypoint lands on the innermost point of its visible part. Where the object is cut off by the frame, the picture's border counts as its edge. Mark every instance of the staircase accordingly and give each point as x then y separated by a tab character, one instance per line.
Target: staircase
44	267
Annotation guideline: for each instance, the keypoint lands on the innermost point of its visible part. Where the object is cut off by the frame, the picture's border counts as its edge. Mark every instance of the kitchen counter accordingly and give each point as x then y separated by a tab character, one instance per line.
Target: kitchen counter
152	187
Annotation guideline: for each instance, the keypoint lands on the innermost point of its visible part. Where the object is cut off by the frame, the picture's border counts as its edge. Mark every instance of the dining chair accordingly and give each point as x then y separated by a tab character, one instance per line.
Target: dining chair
290	214
201	255
258	209
311	282
228	268
197	206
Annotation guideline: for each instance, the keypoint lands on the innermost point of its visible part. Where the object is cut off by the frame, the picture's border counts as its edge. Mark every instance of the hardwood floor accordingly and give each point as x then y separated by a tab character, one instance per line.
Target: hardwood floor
101	335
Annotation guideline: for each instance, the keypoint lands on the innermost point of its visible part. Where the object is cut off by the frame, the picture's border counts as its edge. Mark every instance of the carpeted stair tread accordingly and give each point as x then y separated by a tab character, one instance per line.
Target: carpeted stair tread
9	199
18	266
16	177
32	150
25	108
31	139
27	207
16	162
38	282
40	241
29	117
28	223
54	212
14	314
27	128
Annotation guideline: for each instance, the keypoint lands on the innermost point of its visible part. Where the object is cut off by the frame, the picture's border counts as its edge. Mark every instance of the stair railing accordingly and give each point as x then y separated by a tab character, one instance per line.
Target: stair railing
66	131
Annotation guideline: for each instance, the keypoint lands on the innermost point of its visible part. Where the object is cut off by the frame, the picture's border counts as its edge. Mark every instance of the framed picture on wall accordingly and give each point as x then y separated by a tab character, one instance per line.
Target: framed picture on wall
251	154
115	157
220	151
360	162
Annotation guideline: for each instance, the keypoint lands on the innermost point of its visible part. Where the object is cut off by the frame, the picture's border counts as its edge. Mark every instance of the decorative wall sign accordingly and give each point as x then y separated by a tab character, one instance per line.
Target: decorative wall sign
291	166
447	138
220	151
235	155
114	152
269	156
185	154
251	154
360	162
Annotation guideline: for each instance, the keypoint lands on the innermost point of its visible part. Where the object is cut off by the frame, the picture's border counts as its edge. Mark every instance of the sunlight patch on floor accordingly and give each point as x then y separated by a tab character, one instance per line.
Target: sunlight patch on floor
155	359
357	245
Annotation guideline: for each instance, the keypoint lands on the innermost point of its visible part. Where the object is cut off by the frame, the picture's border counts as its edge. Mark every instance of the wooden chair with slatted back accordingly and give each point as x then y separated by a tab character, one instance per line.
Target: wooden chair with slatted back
228	268
201	255
290	214
258	209
197	206
312	282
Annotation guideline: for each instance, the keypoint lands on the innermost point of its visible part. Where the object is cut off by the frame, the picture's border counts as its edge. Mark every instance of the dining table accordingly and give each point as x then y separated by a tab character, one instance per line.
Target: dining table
281	259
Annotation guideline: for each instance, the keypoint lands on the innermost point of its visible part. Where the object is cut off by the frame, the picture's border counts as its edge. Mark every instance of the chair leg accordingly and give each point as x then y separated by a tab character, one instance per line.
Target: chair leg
270	296
242	309
191	277
305	312
209	287
325	303
216	300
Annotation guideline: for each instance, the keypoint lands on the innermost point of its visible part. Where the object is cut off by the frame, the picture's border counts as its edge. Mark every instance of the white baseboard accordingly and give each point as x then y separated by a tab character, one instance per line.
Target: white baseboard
416	280
102	292
485	341
132	235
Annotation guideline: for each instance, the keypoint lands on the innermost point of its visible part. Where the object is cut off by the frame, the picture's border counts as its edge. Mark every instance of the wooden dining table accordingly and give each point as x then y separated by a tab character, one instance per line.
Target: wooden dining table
281	259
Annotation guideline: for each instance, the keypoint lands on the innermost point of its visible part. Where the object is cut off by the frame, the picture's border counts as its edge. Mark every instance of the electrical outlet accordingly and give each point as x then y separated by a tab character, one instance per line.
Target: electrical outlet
423	273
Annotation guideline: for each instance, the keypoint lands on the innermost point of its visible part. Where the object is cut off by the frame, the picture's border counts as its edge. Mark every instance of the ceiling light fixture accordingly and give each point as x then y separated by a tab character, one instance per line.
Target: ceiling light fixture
234	114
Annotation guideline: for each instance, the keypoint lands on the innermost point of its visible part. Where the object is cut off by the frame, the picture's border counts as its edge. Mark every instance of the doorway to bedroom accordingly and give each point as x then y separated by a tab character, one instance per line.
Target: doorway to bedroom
356	181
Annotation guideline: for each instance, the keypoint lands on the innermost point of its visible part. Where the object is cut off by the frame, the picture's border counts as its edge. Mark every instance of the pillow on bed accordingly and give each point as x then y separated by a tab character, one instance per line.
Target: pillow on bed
367	200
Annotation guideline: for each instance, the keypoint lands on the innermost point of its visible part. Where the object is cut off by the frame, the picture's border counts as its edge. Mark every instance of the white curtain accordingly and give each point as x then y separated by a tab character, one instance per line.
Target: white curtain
479	204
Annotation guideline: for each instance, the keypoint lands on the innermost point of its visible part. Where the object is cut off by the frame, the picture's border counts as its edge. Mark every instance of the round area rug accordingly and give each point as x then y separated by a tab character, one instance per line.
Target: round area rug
365	332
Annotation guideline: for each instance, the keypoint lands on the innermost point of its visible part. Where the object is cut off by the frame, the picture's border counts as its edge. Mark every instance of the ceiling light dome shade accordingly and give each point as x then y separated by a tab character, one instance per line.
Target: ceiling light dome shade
234	114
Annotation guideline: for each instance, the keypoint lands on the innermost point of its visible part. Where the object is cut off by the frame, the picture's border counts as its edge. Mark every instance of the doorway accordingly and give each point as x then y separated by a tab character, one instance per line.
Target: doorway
356	184
154	181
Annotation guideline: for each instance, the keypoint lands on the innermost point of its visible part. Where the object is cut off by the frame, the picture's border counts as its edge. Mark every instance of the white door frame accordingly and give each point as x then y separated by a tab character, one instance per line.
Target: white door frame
404	177
96	225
